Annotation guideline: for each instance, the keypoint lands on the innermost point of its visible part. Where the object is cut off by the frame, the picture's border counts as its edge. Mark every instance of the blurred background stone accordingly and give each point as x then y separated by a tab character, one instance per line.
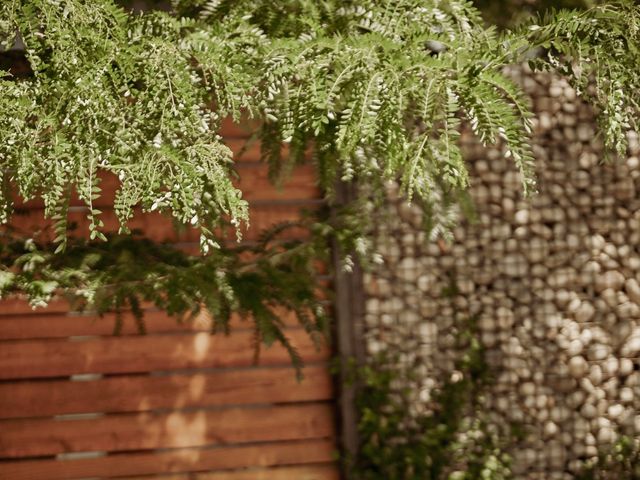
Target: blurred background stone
552	280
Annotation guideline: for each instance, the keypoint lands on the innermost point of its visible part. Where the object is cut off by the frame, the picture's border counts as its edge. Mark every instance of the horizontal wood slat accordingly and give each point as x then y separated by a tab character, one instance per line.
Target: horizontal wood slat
138	393
172	461
160	227
126	432
253	181
32	325
17	305
145	353
315	472
243	128
62	325
249	150
175	401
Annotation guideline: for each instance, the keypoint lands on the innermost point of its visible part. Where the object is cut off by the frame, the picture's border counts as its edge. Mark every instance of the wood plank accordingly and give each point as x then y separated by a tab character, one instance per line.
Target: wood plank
249	150
19	326
126	432
244	128
139	393
253	181
311	472
62	325
159	227
255	184
18	305
170	461
57	358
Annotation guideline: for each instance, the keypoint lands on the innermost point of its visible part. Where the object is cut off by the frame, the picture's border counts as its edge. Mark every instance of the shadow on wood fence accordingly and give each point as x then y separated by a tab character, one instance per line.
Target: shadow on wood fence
77	402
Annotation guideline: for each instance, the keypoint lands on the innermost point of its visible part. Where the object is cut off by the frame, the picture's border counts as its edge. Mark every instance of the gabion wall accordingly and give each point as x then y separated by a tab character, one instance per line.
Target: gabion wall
553	281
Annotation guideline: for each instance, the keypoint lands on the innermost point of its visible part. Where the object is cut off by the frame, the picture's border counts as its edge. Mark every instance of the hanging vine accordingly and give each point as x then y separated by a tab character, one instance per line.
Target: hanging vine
367	90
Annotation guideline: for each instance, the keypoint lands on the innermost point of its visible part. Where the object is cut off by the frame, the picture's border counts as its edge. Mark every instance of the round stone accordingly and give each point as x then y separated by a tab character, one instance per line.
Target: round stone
585	312
595	374
578	366
522	217
606	436
609	279
631	347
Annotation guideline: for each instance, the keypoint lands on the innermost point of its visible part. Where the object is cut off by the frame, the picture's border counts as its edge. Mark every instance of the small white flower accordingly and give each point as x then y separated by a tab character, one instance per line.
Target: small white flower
157	140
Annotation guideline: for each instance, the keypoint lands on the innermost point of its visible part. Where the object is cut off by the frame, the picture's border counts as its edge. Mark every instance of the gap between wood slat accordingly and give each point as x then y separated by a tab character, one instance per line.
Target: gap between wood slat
134	354
318	472
173	461
127	432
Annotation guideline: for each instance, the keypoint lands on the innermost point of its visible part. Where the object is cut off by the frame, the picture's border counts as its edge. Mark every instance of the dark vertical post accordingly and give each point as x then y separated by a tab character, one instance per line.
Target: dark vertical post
349	308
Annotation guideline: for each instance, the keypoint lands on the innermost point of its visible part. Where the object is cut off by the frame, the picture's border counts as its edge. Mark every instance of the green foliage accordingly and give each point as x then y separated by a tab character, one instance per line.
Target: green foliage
369	90
622	462
454	442
594	50
104	97
258	282
374	90
358	82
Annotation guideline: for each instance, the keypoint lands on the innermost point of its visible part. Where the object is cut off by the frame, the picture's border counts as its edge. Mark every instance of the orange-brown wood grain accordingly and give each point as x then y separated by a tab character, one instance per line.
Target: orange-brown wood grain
27	324
315	472
145	353
176	429
291	453
178	403
139	393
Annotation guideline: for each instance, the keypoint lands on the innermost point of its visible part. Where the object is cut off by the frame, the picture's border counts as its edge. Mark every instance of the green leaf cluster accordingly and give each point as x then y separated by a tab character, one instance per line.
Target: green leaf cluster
369	90
595	50
258	282
113	93
620	462
452	442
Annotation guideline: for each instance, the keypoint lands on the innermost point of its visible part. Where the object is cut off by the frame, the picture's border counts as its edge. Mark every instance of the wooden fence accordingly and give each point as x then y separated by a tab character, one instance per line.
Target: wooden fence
77	402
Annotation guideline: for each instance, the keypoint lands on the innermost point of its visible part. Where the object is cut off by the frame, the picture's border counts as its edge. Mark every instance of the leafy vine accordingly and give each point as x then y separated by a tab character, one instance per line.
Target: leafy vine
621	462
128	271
452	441
366	90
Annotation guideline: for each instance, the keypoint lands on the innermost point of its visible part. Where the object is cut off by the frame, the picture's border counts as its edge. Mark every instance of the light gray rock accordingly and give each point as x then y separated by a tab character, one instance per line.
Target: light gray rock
625	367
631	347
553	281
585	312
595	374
578	366
598	351
606	436
632	288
